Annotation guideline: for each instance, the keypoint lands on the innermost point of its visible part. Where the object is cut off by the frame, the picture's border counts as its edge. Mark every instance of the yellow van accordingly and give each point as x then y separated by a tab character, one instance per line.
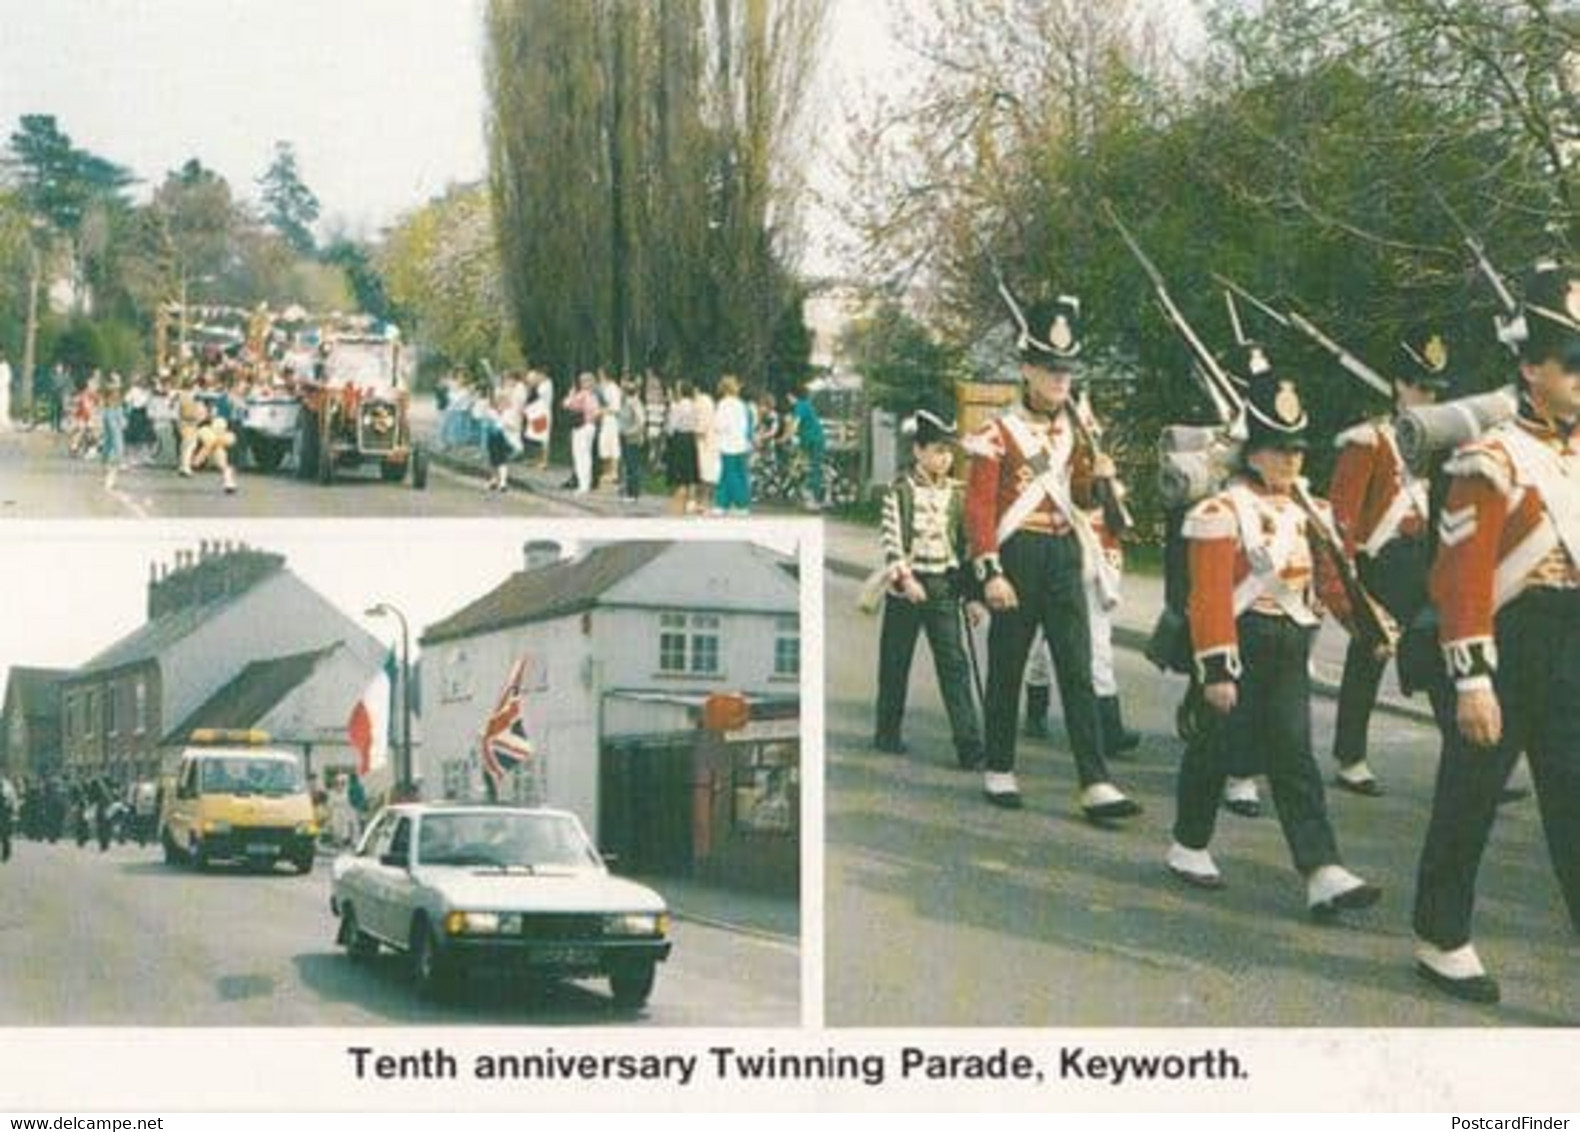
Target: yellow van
235	798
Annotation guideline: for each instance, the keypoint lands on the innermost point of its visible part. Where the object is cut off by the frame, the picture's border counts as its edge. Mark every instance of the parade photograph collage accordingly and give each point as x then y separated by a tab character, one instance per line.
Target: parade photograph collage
748	555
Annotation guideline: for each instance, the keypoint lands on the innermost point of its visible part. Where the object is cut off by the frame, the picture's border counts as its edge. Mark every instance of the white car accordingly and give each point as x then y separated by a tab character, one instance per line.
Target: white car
456	887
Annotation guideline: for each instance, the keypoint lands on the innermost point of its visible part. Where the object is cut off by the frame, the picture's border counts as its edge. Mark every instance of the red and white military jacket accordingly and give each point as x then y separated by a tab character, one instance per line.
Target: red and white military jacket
1512	521
1375	498
1007	455
1250	550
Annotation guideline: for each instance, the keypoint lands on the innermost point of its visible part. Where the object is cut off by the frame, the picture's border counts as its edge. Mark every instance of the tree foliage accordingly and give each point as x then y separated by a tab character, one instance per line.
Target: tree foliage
1302	154
289	206
644	179
440	267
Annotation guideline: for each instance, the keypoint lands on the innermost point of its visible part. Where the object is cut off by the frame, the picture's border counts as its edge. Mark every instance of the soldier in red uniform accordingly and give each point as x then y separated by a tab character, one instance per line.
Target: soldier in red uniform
1383	513
1255	574
1506	581
1031	480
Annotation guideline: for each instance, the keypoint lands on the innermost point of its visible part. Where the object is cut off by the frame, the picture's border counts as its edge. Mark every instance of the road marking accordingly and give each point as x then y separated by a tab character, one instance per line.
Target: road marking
132	505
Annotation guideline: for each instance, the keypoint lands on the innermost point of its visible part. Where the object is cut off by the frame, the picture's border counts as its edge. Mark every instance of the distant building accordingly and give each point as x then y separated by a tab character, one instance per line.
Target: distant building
622	646
211	614
30	723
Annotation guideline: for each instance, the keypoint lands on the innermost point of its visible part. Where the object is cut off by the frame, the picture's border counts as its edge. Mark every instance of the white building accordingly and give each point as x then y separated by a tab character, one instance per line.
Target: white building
622	646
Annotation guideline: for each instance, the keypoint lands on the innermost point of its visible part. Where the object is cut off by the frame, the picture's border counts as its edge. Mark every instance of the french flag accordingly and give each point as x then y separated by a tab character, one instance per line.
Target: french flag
369	725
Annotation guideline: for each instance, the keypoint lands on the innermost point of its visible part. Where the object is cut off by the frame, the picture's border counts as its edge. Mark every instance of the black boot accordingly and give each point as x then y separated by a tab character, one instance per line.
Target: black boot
1037	698
1115	737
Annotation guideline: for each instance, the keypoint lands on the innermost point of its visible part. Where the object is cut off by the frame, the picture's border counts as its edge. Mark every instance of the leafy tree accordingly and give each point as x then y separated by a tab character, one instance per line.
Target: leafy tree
57	180
644	180
441	268
290	207
904	367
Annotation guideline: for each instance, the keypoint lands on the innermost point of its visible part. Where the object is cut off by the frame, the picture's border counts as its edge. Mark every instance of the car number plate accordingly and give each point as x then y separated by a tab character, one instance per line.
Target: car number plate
262	849
564	956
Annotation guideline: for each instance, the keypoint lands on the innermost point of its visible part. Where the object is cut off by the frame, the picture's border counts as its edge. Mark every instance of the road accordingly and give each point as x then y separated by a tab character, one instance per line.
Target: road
39	480
942	911
121	939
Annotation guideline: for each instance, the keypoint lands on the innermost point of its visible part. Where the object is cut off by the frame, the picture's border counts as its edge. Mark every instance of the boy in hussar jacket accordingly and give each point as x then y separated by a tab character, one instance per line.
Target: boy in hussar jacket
924	547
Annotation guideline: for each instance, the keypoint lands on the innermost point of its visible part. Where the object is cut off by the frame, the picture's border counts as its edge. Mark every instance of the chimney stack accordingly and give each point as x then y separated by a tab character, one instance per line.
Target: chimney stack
540	553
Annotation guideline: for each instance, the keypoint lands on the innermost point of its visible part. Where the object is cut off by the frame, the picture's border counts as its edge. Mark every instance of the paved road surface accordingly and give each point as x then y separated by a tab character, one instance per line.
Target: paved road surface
943	911
120	938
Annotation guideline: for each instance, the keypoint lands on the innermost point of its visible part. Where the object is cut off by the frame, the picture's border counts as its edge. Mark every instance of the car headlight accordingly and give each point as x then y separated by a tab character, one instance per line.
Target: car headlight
307	829
637	923
472	923
216	827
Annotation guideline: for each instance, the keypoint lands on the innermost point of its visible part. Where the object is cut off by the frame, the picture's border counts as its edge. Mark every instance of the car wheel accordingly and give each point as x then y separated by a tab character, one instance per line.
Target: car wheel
304	863
358	944
419	469
631	984
430	970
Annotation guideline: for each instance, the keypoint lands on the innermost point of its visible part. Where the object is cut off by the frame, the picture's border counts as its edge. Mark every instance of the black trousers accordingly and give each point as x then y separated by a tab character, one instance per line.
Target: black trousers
1046	573
1397	579
1538	687
1269	731
940	617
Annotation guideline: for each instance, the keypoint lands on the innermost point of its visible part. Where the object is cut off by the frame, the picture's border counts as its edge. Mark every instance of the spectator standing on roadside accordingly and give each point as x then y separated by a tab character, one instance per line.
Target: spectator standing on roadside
632	418
680	448
732	433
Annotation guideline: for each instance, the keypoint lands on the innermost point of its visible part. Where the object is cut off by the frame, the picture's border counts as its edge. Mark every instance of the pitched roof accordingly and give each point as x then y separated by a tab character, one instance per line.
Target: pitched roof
547	593
155	636
34	689
252	694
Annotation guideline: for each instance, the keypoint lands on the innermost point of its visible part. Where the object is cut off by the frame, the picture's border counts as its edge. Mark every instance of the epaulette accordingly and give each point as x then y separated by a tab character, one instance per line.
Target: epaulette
1211	518
1486	459
1363	435
987	441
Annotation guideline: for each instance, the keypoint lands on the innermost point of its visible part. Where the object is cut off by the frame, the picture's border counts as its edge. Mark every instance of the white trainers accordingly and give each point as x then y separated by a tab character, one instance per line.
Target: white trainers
1001	789
1193	866
1240	796
1458	972
1104	800
1357	778
1331	889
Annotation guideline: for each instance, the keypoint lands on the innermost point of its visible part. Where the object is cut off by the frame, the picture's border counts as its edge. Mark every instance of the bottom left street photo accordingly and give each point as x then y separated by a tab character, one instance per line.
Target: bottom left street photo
407	773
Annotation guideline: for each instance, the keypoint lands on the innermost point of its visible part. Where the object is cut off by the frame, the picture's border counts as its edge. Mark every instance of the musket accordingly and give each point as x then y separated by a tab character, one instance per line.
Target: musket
1294	320
1110	493
1512	329
1218	385
1373	623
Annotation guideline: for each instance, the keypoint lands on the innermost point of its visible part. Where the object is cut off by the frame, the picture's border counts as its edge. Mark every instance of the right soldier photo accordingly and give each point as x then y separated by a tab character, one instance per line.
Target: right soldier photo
1312	611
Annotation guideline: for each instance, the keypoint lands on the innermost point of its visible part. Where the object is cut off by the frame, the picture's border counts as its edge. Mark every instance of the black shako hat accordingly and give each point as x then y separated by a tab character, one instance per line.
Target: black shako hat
1552	313
1048	331
1426	360
1274	416
924	428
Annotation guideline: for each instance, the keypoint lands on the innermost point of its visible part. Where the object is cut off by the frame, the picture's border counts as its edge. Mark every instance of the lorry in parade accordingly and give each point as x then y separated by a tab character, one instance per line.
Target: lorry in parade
331	394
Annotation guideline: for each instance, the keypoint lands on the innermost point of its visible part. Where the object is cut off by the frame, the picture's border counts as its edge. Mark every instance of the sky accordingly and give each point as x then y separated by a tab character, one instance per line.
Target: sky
85	583
383	99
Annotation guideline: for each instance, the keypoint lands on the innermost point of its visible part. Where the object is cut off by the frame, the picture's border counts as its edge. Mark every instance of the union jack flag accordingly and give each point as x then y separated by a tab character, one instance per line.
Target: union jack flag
505	742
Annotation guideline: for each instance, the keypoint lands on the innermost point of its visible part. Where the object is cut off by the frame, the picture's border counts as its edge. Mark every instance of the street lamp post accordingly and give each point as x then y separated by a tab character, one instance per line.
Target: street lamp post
384	609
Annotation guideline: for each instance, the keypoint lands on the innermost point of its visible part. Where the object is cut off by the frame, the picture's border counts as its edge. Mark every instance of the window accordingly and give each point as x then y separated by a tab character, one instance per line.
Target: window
89	707
787	646
111	725
68	717
688	644
140	706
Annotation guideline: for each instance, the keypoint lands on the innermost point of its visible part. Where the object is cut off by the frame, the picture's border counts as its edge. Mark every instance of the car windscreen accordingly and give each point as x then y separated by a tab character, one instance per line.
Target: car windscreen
505	840
270	777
